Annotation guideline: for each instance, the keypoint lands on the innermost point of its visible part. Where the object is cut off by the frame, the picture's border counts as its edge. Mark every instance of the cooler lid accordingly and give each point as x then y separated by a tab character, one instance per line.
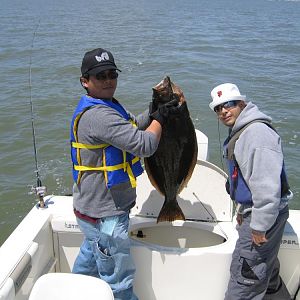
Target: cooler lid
203	199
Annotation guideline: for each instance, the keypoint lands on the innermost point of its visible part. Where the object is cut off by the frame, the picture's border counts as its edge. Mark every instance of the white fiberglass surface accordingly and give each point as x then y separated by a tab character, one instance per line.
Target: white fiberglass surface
177	236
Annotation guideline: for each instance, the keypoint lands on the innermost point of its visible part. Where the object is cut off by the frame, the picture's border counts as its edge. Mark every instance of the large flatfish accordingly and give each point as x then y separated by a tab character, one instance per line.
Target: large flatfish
171	166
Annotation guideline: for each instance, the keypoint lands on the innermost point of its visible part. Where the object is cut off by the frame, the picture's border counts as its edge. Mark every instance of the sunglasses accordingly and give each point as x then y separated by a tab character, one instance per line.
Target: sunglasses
107	76
227	105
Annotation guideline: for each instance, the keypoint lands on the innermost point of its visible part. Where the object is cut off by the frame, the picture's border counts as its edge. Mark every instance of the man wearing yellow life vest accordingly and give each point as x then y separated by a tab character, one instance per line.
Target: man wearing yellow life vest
106	145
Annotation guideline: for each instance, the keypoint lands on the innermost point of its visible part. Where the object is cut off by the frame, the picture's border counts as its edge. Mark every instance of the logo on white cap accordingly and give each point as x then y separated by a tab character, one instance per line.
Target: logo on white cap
104	56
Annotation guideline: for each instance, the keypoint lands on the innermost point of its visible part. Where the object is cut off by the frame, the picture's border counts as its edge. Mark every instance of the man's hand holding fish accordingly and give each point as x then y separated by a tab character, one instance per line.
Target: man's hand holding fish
162	113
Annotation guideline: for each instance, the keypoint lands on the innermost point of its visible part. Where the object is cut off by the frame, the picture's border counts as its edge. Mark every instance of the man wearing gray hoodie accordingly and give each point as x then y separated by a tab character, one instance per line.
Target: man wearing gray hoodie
258	184
107	142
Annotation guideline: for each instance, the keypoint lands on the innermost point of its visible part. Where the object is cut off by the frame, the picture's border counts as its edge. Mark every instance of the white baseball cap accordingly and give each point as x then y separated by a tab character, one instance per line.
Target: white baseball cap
223	93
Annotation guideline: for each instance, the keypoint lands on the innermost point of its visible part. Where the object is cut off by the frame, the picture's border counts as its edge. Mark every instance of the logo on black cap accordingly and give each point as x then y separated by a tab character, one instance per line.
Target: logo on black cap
104	56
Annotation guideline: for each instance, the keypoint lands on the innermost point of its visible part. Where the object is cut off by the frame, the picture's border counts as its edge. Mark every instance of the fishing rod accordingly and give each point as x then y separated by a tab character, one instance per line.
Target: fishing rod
296	294
212	217
40	190
220	146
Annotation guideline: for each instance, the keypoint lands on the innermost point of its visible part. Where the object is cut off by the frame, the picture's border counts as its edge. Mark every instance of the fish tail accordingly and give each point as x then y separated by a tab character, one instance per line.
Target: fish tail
170	212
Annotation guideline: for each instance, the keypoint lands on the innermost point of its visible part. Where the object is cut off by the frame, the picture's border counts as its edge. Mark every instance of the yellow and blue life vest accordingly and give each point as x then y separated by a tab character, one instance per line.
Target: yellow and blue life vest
118	166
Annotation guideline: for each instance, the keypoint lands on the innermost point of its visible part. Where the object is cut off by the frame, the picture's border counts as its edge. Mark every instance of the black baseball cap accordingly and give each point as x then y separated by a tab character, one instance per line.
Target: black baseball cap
96	61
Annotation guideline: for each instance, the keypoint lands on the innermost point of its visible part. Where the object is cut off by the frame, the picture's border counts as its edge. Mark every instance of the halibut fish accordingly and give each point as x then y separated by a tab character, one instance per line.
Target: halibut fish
171	166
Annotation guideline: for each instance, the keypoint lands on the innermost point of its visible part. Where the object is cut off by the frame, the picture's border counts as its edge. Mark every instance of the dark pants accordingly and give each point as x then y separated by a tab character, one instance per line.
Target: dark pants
254	270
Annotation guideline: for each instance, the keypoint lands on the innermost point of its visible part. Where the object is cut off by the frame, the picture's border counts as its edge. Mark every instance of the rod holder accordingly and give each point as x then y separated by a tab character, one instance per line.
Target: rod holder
41	192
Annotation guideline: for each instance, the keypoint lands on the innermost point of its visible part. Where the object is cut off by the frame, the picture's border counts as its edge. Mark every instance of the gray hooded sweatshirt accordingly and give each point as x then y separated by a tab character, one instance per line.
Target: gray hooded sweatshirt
102	124
259	155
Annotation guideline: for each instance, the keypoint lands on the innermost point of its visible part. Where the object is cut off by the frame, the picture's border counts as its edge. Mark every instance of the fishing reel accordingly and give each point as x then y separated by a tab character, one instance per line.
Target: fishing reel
40	191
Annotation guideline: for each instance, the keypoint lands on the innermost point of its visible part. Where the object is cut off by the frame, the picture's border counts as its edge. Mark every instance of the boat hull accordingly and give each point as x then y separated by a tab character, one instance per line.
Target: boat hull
48	240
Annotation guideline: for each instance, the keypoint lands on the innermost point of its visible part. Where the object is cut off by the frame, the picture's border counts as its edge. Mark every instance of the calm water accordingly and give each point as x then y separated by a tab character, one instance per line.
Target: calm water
199	43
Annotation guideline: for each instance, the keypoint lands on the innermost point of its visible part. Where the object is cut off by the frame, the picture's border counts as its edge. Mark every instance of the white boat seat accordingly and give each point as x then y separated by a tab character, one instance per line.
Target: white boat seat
65	286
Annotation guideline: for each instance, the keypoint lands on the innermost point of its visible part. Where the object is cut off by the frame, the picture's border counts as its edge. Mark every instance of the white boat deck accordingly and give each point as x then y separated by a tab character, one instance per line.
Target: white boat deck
48	240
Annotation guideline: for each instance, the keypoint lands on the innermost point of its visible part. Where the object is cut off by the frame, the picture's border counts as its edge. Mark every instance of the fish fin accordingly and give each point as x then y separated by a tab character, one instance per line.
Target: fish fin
170	212
151	177
177	90
191	170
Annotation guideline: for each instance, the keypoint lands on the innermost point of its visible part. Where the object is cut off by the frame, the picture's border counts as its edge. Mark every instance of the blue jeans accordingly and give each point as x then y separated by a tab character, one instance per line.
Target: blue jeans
105	253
